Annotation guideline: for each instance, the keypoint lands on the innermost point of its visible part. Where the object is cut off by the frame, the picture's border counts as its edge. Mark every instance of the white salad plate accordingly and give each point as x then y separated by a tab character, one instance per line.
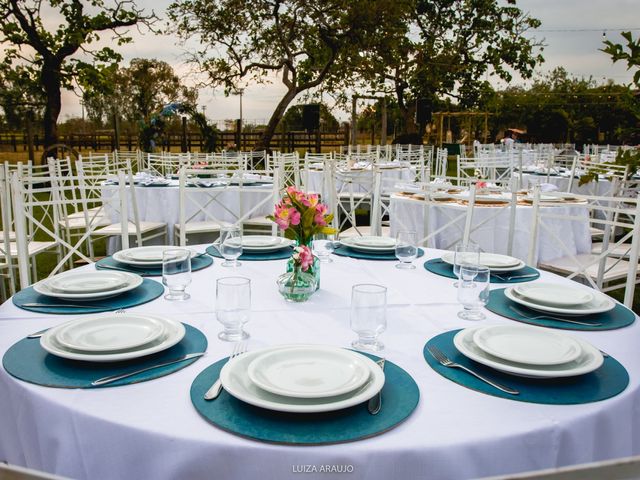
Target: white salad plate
529	345
554	294
309	372
264	243
495	262
370	243
131	281
600	303
151	255
87	282
110	332
590	359
173	333
237	383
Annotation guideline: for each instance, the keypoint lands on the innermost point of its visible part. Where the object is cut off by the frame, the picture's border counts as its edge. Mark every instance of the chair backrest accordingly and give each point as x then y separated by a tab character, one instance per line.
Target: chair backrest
619	221
8	229
497	169
583	164
287	168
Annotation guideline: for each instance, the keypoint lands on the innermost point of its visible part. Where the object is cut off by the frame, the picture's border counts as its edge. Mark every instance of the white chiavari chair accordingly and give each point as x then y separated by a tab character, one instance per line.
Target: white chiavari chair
604	270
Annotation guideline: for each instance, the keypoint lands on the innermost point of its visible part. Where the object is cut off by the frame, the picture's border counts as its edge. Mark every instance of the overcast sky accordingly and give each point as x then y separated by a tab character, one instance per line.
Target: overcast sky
572	31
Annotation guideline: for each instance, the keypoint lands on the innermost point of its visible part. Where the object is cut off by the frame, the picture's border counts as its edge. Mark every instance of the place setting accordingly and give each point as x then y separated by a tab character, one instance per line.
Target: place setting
503	268
147	261
105	350
369	247
560	306
233	246
526	364
305	394
75	292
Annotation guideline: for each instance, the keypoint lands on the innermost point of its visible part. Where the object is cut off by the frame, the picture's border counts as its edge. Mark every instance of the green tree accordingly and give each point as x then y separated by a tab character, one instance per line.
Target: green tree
47	54
456	45
307	43
137	91
629	53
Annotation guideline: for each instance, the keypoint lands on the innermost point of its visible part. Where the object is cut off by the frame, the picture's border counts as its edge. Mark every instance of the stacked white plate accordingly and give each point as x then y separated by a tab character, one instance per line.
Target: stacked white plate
264	243
81	286
528	351
494	261
484	197
144	256
560	299
302	378
112	337
368	243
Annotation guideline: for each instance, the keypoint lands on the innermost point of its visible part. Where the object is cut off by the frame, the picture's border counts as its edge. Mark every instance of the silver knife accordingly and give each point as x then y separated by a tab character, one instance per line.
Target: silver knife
65	305
113	378
375	403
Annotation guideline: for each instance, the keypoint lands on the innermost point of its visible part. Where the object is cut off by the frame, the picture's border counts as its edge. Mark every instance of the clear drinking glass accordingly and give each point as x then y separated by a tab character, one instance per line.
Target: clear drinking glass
323	247
473	291
406	249
468	253
368	315
176	273
231	245
233	307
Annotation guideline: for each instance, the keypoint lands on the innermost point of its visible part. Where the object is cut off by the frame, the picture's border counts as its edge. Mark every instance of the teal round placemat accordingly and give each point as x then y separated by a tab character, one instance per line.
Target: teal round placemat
619	317
149	290
606	382
344	251
28	361
444	269
197	263
400	397
281	254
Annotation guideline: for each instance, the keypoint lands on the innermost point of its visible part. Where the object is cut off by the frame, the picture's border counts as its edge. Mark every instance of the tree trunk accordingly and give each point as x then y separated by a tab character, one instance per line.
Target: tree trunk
265	140
52	84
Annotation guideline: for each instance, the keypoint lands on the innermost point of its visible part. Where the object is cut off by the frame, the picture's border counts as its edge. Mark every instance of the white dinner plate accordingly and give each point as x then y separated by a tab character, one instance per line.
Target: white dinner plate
529	345
110	332
174	332
309	372
132	281
264	243
151	255
87	282
237	383
554	294
590	359
370	244
484	197
495	262
600	303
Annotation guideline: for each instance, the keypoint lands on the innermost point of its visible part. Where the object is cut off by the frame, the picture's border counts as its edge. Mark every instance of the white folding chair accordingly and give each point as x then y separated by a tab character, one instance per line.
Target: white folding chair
604	270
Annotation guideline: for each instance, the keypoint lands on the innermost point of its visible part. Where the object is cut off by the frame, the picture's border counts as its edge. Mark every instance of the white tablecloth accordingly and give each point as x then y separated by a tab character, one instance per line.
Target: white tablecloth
161	204
389	176
492	235
150	430
601	187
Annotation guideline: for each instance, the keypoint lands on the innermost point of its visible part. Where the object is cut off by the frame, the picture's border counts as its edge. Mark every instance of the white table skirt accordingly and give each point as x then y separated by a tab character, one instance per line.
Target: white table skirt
161	204
150	430
492	236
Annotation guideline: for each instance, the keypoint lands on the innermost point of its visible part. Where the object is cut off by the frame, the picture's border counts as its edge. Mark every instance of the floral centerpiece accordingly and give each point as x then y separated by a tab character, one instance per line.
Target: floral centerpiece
301	216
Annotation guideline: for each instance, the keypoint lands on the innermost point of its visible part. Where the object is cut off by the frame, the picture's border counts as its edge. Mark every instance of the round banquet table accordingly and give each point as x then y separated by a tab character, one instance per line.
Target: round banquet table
391	173
161	204
602	187
492	232
151	430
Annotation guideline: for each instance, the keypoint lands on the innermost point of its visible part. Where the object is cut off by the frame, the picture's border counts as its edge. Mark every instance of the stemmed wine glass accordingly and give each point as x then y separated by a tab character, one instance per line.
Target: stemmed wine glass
473	291
231	245
468	253
406	249
323	247
233	307
368	315
176	273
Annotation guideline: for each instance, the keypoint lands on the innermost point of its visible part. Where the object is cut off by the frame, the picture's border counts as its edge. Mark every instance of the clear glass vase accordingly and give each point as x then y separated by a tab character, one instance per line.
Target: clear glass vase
313	269
296	285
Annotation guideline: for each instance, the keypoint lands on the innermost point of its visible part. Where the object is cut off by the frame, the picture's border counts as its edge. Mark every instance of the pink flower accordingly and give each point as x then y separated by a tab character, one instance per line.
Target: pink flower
295	216
303	257
282	216
481	185
321	211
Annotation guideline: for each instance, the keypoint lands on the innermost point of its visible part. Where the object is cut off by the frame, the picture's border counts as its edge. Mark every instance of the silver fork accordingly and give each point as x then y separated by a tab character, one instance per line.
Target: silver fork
445	361
213	392
550	317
